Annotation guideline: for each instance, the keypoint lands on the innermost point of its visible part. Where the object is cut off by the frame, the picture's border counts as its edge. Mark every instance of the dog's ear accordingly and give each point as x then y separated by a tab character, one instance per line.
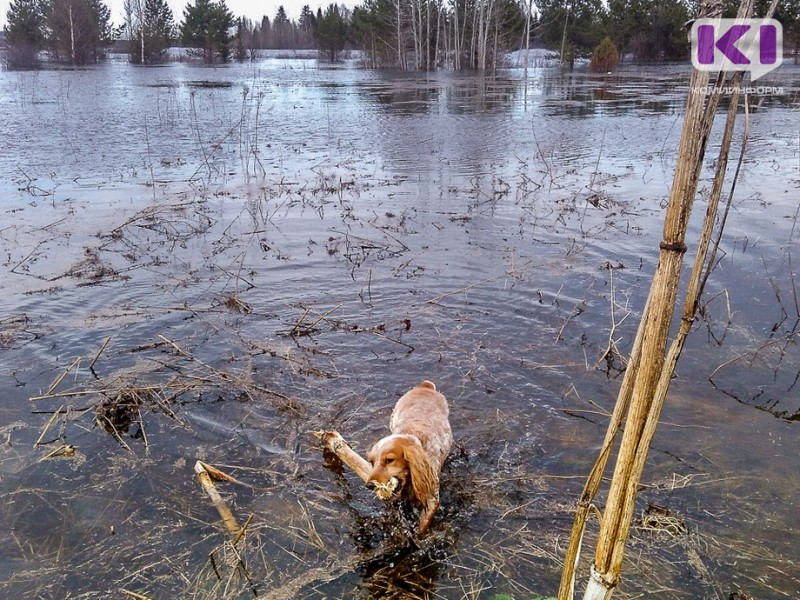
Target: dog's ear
424	479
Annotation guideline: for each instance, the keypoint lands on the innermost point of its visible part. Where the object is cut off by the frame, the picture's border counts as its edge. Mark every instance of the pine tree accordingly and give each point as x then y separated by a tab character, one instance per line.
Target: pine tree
331	32
265	33
605	57
24	33
150	27
281	28
77	31
241	35
101	17
307	24
205	28
373	28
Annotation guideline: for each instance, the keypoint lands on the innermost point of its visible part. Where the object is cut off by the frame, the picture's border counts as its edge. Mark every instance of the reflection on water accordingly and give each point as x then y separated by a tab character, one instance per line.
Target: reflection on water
310	243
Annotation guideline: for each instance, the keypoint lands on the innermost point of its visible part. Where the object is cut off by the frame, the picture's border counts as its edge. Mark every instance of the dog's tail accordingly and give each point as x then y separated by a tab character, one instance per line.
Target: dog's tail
428	385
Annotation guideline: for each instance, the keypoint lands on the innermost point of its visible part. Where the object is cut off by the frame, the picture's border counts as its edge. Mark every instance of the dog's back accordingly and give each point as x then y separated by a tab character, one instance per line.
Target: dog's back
423	412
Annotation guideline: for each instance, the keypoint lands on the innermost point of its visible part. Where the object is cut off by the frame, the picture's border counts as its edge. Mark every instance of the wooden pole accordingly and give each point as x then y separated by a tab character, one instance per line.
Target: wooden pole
590	489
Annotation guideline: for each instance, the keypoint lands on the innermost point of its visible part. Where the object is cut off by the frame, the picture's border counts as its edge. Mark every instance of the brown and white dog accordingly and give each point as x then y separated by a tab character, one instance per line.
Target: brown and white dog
409	462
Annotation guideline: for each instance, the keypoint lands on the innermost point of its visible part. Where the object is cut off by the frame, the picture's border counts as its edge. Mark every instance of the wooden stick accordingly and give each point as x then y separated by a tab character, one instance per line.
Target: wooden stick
204	476
61	377
47	426
647	380
690	307
334	442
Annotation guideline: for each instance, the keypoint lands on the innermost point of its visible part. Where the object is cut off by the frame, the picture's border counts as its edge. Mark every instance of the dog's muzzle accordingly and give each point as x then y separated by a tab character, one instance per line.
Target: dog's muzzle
385	491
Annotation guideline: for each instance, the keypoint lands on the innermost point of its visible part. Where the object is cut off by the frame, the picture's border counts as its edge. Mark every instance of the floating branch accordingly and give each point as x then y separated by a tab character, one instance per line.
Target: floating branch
206	475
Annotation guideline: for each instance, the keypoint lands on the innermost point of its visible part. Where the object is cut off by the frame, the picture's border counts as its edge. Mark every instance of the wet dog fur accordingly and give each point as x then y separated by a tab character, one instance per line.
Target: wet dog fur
415	451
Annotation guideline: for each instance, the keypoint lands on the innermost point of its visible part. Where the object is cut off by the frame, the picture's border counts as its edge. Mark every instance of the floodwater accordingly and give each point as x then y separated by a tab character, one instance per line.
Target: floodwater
285	246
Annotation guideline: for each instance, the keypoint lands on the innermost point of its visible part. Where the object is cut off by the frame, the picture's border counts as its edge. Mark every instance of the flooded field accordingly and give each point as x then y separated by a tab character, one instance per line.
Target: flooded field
211	263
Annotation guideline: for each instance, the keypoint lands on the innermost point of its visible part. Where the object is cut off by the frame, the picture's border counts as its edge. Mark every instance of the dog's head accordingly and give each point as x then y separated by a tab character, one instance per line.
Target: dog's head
400	464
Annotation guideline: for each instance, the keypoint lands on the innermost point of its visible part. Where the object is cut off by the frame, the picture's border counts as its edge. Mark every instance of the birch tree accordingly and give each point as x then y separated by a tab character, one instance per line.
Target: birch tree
77	30
150	28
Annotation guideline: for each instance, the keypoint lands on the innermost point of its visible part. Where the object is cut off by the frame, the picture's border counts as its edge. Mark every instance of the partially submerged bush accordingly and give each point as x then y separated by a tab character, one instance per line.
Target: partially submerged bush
605	57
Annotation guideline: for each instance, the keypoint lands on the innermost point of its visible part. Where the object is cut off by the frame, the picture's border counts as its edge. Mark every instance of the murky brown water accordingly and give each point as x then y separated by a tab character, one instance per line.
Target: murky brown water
316	241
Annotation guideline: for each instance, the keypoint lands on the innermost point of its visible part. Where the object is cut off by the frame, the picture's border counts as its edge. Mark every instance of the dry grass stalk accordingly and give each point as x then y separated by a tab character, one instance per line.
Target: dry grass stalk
657	519
47	426
647	379
62	375
12	328
99	352
612	351
119	401
234	303
513	272
212	374
131	594
63	451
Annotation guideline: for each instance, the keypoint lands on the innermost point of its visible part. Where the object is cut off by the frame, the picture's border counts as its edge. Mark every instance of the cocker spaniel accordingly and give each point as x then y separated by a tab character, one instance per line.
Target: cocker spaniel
408	463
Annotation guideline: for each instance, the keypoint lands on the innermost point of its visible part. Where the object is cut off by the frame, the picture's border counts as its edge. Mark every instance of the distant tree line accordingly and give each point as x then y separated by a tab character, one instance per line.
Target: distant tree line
406	34
427	34
476	34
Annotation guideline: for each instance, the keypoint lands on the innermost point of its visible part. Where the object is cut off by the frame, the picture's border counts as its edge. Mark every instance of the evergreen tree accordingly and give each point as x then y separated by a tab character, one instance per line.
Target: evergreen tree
372	29
577	24
205	29
605	57
650	29
242	31
306	26
331	32
101	17
24	33
77	31
281	29
265	33
151	27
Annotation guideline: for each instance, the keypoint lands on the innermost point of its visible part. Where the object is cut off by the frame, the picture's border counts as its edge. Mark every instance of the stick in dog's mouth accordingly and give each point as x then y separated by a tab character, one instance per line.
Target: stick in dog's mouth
385	491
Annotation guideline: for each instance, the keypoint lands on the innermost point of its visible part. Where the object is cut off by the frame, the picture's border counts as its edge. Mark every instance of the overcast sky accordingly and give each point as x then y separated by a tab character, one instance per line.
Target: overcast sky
254	9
